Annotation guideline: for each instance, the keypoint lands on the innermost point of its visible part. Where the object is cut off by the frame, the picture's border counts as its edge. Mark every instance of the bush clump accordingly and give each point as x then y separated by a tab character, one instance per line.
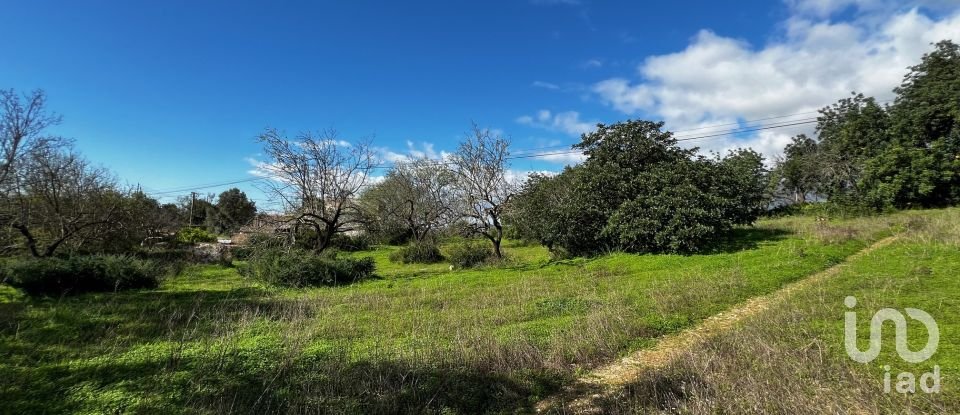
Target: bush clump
417	253
195	235
350	243
80	274
299	268
469	254
641	192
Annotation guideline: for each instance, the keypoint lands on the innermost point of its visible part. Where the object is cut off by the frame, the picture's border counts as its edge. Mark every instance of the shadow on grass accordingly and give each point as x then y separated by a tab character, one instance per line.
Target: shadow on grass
266	381
660	391
84	322
172	352
737	240
744	239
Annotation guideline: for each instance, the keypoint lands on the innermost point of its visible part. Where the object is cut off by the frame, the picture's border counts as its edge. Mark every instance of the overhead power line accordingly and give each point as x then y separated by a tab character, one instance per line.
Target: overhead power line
539	152
206	186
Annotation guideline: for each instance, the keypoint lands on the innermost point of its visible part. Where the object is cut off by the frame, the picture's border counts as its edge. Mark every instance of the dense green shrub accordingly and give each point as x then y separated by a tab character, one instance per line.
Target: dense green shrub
301	268
469	254
74	275
417	252
195	235
172	259
308	239
350	243
639	191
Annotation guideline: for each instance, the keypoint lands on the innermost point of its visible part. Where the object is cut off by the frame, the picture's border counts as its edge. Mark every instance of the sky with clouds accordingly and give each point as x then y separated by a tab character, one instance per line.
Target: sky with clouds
172	94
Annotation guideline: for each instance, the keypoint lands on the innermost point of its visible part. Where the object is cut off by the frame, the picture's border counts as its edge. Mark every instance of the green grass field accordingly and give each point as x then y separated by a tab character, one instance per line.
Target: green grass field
498	339
793	360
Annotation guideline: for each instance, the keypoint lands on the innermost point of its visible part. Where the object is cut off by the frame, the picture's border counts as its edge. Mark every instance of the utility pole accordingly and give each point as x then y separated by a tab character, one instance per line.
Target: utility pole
193	199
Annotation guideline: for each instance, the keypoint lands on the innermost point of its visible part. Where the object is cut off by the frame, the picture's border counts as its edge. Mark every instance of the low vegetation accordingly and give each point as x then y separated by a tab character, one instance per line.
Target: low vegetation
299	268
792	359
642	239
467	254
81	274
418	253
422	338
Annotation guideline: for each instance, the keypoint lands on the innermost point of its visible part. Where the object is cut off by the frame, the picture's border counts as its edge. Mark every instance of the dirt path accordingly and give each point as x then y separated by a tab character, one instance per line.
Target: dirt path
581	396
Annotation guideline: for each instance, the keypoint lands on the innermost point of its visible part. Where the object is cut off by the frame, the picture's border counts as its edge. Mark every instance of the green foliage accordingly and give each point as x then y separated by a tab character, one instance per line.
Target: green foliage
796	175
741	182
79	274
850	132
195	235
231	211
530	327
417	253
542	193
903	156
350	243
300	268
307	239
469	253
640	192
921	168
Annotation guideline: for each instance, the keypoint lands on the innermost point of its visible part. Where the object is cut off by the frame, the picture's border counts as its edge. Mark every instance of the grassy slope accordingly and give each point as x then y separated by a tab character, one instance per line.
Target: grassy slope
792	360
421	337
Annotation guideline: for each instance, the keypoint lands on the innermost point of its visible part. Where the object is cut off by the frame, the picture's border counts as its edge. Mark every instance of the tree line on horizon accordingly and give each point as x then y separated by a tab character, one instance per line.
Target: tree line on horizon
637	190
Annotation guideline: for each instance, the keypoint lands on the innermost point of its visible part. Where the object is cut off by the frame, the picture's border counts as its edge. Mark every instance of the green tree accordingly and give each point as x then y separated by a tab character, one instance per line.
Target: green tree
921	168
640	192
742	183
541	193
850	132
796	175
232	210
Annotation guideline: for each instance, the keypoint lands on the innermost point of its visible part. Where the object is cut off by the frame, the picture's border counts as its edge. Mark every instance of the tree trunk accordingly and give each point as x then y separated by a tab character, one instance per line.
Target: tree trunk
31	242
323	240
497	238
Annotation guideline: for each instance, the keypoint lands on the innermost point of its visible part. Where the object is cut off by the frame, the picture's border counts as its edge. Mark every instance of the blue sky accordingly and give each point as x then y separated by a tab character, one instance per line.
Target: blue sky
171	94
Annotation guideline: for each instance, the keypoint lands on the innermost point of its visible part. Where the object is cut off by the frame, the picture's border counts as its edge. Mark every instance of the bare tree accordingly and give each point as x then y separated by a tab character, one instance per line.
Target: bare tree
317	178
22	122
482	186
416	195
60	198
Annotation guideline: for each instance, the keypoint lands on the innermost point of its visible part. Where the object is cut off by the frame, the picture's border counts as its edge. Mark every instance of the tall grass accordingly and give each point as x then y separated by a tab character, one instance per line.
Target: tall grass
422	339
792	359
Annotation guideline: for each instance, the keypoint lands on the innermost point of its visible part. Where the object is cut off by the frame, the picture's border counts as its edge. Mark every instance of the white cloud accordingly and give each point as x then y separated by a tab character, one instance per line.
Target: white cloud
545	85
425	150
565	157
567	122
260	168
593	63
518	177
815	62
